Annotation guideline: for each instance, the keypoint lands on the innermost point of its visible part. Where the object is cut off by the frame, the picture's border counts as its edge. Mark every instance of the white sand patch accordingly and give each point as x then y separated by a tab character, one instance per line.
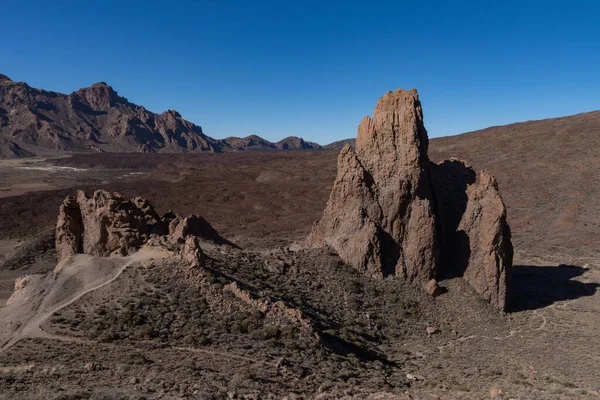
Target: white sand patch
53	168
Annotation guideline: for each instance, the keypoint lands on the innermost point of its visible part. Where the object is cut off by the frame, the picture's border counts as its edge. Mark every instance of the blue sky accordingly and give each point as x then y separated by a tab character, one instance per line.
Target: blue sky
314	68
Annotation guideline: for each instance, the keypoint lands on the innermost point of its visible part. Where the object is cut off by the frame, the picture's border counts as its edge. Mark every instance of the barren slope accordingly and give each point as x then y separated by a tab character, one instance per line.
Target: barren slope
549	176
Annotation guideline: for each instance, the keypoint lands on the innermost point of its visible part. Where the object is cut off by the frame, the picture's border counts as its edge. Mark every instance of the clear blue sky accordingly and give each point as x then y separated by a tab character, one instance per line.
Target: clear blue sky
314	68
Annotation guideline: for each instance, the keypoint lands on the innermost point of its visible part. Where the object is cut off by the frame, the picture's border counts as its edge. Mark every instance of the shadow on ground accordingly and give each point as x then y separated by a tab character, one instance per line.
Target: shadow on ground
536	287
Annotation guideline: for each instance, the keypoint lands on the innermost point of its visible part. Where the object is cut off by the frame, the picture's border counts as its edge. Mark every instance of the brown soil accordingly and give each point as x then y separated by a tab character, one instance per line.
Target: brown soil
264	199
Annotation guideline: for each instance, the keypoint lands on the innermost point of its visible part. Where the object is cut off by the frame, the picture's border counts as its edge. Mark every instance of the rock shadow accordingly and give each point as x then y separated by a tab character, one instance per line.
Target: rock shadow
449	182
390	253
534	287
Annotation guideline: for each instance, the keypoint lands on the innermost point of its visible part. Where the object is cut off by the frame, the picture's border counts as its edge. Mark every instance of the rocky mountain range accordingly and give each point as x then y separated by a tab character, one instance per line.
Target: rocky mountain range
97	119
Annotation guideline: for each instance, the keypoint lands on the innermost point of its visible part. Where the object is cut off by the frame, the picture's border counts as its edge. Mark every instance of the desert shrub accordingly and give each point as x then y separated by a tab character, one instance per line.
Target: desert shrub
271	332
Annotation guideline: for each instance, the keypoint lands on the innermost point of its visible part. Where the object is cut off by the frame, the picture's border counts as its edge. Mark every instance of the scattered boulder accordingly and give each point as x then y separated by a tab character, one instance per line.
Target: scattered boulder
392	212
431	330
432	288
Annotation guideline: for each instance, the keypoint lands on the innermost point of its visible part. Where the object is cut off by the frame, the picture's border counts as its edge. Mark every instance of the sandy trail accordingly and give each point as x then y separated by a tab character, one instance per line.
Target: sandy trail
82	274
591	275
41	297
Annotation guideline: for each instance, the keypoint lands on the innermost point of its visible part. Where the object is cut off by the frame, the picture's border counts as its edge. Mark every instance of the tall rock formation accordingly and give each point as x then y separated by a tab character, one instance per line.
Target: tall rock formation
380	216
392	212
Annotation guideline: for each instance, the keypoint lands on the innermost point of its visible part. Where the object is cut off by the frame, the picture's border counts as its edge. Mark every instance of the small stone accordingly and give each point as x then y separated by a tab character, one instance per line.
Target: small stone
495	394
431	330
432	288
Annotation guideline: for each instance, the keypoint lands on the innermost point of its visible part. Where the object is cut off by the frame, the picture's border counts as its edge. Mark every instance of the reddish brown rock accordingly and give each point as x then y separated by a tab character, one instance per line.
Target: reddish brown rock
475	236
108	224
380	214
113	224
192	253
349	220
393	212
69	229
491	251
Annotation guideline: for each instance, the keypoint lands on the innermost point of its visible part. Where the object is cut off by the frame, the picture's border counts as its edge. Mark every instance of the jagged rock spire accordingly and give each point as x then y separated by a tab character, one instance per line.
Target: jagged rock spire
391	211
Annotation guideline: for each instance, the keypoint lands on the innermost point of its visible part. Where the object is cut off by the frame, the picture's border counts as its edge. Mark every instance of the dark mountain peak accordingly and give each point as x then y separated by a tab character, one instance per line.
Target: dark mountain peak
4	78
172	113
100	96
102	84
340	144
255	137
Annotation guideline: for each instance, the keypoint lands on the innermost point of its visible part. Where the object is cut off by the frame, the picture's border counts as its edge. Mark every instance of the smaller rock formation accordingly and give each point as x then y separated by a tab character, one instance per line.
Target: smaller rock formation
69	229
182	227
113	224
475	234
108	224
192	253
484	222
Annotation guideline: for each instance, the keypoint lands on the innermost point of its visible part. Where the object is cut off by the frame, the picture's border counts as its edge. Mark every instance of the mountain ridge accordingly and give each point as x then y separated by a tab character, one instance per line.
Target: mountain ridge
97	119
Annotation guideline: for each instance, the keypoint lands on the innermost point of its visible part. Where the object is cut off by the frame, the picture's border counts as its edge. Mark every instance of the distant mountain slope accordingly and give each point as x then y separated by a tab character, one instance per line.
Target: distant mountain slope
97	119
254	142
296	143
251	142
549	175
91	119
339	145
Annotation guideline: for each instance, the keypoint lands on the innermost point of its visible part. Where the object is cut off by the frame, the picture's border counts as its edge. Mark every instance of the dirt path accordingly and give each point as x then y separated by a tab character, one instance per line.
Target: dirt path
540	314
31	328
81	275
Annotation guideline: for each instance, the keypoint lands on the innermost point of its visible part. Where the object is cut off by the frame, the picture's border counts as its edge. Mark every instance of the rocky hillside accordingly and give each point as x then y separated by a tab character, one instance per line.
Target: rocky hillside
90	119
97	119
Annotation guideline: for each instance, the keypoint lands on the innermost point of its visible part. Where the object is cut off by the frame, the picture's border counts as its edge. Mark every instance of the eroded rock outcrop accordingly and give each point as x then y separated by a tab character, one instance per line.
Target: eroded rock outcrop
475	234
108	224
380	216
113	224
192	253
69	229
392	212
